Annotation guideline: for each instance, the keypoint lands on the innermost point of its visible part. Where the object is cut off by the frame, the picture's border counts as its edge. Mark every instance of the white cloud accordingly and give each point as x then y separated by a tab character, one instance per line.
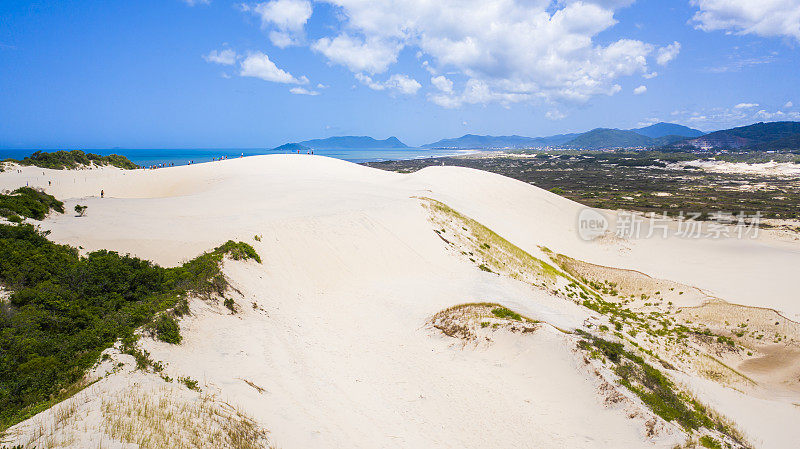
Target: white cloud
288	17
668	53
506	50
197	2
650	75
640	90
282	39
555	115
285	14
224	57
372	55
442	83
258	65
788	105
728	117
777	116
403	84
769	18
303	91
398	83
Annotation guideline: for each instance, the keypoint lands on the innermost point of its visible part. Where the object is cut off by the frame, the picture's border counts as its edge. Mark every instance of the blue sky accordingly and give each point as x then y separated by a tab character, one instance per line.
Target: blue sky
205	74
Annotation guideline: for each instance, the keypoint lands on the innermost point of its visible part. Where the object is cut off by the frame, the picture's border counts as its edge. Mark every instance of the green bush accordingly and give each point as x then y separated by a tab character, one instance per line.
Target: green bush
60	160
230	305
64	310
167	330
30	203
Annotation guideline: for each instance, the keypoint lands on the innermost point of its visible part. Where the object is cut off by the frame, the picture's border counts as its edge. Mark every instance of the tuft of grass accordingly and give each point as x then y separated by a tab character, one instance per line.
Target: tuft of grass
162	419
230	305
189	383
711	443
502	312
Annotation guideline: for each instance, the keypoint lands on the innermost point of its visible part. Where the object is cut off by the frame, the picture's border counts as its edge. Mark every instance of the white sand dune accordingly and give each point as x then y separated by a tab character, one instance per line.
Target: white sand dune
332	324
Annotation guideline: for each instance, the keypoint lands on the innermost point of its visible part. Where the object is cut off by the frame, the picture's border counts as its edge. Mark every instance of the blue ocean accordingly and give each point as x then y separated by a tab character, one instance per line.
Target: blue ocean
150	157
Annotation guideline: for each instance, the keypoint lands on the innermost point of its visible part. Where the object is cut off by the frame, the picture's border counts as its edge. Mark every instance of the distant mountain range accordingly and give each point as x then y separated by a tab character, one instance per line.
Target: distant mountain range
662	129
757	137
470	141
655	135
343	142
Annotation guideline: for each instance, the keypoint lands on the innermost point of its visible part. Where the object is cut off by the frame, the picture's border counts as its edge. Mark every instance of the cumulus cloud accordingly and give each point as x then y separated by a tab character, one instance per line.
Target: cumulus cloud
224	57
640	90
398	83
504	50
777	116
668	53
303	91
442	83
258	65
788	105
373	55
769	18
287	18
727	117
555	115
197	2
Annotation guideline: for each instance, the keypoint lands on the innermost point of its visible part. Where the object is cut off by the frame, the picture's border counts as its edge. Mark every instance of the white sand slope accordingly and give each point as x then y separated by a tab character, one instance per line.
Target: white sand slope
330	347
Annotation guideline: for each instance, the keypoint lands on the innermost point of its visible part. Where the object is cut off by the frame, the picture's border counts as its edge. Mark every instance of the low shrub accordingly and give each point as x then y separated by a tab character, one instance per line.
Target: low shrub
28	202
167	330
65	309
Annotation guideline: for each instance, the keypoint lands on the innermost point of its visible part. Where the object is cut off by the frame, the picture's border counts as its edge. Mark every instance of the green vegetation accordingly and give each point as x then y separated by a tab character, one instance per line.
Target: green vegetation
60	160
189	382
655	389
239	251
167	329
28	202
65	309
80	209
707	441
230	305
502	312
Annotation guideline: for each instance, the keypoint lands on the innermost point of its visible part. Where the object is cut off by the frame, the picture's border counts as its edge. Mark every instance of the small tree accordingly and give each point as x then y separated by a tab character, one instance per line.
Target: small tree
80	209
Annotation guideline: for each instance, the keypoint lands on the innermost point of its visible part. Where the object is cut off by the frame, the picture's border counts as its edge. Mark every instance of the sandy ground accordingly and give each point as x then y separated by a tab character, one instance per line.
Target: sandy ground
332	324
771	168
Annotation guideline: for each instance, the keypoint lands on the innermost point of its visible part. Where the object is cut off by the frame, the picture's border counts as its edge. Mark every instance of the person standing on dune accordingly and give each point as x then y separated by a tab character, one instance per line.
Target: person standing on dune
102	193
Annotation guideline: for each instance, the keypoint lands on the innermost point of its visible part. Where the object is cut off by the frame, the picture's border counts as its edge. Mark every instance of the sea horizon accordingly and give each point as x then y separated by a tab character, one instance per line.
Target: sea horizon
181	156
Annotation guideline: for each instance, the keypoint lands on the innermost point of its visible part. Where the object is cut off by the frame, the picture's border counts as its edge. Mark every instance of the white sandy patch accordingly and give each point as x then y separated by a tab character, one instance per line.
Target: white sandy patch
771	168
